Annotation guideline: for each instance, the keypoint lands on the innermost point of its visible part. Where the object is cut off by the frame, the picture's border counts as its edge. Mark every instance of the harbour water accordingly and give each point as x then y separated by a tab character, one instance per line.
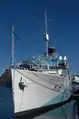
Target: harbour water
67	111
6	103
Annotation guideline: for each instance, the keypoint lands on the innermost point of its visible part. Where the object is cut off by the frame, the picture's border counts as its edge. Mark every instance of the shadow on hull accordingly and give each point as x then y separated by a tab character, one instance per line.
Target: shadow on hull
30	114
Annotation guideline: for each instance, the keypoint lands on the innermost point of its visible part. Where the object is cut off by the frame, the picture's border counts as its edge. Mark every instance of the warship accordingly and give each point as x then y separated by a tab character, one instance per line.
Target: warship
38	81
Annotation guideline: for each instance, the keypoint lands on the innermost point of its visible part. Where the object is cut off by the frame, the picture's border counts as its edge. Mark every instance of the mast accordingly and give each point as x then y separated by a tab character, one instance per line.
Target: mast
46	36
12	45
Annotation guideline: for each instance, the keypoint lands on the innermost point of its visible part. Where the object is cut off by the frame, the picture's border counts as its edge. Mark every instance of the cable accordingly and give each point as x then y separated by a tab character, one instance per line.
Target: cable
65	115
16	36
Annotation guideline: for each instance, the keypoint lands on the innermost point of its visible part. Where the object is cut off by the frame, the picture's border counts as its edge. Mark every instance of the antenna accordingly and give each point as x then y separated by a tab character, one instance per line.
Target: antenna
45	22
12	45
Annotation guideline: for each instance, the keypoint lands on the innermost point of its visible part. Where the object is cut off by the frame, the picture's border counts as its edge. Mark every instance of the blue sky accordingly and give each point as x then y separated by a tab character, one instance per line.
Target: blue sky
28	17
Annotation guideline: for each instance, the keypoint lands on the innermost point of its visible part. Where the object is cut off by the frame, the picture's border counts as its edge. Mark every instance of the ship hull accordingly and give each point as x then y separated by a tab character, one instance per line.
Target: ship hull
40	89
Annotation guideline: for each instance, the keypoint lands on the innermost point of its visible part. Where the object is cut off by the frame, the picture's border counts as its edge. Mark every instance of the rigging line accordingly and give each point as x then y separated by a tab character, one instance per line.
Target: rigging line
63	92
65	115
16	36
